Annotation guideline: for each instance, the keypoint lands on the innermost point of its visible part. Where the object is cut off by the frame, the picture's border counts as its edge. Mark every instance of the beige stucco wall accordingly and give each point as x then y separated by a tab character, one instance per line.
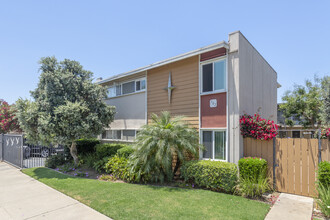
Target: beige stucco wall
130	111
252	87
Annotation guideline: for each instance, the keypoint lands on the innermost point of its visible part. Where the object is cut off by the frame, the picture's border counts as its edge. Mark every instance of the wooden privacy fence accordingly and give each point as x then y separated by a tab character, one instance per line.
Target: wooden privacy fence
296	161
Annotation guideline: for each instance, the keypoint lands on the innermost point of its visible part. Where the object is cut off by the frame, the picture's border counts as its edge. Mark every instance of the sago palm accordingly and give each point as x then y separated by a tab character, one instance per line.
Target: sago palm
156	145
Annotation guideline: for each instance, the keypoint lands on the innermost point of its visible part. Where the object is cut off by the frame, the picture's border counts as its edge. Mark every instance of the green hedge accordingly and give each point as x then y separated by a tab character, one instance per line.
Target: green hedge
125	151
252	168
85	146
323	173
214	175
107	150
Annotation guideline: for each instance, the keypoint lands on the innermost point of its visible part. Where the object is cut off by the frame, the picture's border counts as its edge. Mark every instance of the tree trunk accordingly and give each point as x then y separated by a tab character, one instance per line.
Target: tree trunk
74	153
177	165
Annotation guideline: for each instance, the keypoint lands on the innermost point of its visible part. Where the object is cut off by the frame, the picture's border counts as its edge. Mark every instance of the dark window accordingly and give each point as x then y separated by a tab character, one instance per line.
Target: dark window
138	85
208	77
128	135
207	142
104	135
128	87
282	134
296	134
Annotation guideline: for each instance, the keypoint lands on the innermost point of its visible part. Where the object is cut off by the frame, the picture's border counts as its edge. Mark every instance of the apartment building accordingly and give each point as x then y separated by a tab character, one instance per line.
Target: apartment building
211	86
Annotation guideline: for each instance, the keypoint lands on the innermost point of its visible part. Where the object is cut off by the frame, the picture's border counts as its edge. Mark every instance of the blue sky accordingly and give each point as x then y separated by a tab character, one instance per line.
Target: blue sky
111	37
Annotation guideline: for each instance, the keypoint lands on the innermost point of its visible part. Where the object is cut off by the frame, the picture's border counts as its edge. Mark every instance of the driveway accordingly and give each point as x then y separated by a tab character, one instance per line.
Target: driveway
22	197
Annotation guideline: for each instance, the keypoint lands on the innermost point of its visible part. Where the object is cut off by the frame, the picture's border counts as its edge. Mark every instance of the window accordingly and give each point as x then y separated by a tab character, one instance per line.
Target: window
140	85
112	134
127	88
296	134
111	91
128	135
214	76
215	145
282	134
124	135
118	90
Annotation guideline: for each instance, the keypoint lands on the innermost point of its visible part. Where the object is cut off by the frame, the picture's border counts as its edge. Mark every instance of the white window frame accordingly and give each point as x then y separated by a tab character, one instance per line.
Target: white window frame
201	75
213	143
121	87
121	135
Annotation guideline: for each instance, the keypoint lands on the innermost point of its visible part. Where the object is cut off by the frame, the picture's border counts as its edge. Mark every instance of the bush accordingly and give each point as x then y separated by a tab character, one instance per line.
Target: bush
323	173
257	127
252	168
253	188
88	159
118	166
125	151
55	161
99	165
85	146
324	199
107	150
214	175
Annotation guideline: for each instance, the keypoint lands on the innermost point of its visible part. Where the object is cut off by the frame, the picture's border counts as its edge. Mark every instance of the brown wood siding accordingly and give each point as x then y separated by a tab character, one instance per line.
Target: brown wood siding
213	54
185	95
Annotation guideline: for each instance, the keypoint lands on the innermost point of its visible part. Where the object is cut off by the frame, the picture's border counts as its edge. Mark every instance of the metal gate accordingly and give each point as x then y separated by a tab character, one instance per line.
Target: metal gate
12	149
15	150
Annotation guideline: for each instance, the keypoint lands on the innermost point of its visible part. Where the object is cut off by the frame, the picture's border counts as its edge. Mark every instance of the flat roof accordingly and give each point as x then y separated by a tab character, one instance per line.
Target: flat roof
167	61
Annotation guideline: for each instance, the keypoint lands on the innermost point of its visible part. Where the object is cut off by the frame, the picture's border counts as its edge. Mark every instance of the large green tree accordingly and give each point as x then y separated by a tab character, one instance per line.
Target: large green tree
306	103
158	143
66	106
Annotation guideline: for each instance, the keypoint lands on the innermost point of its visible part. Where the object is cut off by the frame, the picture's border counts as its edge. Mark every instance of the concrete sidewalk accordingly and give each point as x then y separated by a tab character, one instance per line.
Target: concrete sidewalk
291	207
22	197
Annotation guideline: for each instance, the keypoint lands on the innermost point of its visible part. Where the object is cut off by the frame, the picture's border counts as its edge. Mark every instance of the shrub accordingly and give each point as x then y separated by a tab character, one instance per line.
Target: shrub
253	188
118	167
107	177
324	199
252	168
55	160
323	173
88	159
125	151
257	127
85	146
214	175
107	150
99	165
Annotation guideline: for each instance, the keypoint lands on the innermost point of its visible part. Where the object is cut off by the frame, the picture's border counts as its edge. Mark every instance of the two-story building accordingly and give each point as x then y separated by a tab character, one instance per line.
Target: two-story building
211	86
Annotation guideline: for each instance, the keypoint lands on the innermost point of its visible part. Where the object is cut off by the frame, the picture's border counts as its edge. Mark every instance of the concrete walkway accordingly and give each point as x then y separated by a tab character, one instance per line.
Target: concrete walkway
291	207
22	197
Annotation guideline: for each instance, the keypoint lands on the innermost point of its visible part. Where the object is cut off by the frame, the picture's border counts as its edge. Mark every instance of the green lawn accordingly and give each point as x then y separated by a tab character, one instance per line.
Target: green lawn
132	201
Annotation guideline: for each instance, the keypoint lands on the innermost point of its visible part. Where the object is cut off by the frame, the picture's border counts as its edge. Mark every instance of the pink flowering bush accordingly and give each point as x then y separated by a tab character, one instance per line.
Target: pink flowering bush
8	122
257	127
325	133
